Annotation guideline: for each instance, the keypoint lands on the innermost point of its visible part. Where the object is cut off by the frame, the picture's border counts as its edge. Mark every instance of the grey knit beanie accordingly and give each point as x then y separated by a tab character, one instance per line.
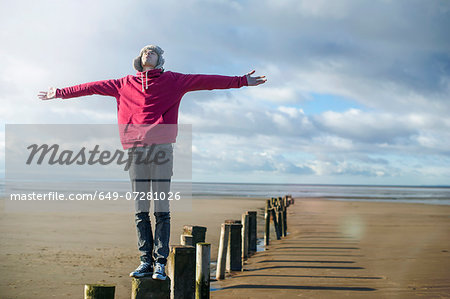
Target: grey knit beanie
137	62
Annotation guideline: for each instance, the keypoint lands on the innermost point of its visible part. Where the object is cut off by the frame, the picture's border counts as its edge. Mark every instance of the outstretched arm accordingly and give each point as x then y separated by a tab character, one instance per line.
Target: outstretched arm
104	87
192	82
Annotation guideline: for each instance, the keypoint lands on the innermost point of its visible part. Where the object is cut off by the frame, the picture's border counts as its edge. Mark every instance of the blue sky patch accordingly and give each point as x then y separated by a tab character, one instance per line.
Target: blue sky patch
328	102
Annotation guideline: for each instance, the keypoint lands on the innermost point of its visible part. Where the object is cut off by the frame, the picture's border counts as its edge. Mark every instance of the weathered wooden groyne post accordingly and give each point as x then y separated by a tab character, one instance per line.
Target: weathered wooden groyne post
267	223
198	234
245	236
99	291
252	231
149	288
280	218
234	252
223	249
187	240
181	270
202	280
274	213
285	205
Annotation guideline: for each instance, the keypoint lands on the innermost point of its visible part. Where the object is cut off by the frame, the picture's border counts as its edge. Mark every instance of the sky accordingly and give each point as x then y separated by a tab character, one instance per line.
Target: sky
358	92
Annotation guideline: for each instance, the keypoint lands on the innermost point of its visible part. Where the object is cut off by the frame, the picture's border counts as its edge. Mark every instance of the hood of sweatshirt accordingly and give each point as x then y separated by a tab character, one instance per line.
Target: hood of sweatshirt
148	76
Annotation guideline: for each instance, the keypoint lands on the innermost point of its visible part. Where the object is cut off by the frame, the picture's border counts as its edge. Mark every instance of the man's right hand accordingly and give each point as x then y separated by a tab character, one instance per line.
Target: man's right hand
254	81
47	95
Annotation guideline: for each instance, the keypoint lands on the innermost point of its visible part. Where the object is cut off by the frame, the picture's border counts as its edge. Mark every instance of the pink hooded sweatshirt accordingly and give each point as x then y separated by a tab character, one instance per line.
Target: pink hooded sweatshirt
151	98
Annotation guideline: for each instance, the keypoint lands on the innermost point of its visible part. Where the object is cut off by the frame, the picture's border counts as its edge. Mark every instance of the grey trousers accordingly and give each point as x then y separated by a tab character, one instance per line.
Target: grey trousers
150	173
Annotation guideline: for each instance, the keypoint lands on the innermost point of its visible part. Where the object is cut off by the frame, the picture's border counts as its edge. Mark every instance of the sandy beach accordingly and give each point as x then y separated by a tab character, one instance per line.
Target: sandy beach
334	249
342	249
54	255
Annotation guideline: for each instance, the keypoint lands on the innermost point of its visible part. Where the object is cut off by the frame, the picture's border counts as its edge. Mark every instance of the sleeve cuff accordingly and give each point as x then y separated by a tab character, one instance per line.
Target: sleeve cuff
58	93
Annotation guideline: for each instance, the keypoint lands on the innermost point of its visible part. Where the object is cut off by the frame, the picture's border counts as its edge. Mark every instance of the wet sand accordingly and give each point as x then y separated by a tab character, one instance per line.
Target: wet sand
339	249
52	255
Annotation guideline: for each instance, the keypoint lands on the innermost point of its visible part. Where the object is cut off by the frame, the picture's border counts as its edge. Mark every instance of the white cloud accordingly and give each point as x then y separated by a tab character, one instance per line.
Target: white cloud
291	111
375	54
280	95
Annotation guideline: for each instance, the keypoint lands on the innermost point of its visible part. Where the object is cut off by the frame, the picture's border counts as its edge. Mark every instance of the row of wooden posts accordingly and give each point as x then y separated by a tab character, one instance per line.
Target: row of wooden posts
188	264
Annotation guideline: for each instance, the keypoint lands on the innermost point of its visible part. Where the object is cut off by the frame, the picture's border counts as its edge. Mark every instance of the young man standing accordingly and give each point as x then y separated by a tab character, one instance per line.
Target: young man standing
152	97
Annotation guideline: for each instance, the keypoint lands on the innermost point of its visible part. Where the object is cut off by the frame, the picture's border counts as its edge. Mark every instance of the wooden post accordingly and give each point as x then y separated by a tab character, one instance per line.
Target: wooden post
281	215
186	240
223	249
228	222
198	233
267	223
252	232
181	270
99	291
285	216
148	288
245	222
275	219
234	248
232	221
202	271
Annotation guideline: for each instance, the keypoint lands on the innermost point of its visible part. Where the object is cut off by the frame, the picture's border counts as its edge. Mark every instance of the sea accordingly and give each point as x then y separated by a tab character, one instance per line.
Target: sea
436	195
